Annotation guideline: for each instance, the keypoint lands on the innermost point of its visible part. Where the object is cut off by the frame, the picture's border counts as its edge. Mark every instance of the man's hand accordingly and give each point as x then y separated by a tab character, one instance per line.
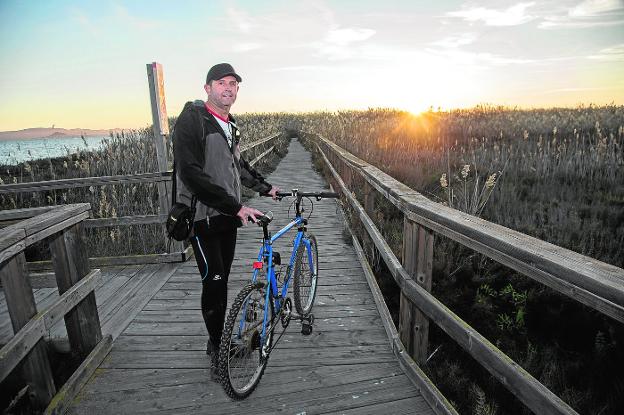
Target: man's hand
246	213
273	192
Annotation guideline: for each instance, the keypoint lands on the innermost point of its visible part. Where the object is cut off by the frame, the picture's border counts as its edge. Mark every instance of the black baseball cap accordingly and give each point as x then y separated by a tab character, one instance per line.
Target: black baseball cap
220	70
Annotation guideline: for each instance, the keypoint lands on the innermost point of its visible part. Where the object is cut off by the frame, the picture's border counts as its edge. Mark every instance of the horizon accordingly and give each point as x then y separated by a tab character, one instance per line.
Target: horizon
430	110
307	56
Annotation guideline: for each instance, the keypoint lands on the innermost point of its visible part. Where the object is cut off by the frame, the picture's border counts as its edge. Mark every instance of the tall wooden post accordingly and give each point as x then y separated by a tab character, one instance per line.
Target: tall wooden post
161	130
71	264
418	262
22	307
369	208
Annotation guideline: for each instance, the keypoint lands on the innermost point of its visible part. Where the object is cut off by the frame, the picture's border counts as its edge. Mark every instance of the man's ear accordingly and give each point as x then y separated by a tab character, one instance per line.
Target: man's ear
207	88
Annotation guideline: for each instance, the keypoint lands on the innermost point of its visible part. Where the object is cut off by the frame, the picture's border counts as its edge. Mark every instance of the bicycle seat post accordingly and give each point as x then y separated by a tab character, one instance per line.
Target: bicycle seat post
265	231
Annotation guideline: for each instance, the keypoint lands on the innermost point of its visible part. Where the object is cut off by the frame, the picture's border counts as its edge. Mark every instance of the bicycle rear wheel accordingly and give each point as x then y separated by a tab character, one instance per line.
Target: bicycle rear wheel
305	275
243	355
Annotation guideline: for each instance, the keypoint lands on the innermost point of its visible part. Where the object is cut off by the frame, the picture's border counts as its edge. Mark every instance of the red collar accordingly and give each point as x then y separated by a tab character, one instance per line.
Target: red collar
215	114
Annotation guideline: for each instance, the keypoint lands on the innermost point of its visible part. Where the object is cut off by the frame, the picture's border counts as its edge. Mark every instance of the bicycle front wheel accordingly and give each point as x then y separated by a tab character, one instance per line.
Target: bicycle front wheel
243	354
305	275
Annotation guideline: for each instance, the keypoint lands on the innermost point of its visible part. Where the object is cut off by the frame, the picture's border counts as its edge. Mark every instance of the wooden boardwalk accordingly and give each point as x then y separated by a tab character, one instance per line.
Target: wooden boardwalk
158	361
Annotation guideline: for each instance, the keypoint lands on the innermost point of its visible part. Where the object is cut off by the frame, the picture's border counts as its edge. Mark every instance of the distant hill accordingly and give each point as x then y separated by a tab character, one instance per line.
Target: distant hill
29	133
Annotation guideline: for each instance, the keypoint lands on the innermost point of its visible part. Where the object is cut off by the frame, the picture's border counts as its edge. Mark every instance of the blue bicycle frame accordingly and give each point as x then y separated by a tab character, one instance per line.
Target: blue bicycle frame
266	252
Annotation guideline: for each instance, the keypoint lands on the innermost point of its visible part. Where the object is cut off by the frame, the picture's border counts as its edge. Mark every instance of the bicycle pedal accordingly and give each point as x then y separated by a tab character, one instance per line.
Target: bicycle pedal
306	329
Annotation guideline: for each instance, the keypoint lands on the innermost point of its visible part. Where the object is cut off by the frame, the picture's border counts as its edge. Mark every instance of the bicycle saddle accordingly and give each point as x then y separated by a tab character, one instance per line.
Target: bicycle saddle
264	219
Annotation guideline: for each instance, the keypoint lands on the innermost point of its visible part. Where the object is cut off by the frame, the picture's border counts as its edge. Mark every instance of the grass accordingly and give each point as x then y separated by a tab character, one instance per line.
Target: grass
556	174
129	152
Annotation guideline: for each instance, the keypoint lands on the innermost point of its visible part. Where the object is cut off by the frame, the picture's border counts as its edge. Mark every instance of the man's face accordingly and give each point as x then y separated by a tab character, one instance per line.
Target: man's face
222	92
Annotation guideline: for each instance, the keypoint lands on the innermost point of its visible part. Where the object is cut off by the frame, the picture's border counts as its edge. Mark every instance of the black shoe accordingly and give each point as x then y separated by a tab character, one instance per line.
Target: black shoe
213	352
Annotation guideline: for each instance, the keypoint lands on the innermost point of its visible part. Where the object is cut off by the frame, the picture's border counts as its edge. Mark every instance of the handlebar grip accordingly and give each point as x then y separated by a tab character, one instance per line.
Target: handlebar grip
278	194
330	194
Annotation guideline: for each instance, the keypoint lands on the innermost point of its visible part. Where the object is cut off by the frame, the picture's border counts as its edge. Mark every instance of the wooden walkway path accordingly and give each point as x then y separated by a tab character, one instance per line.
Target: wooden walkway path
158	362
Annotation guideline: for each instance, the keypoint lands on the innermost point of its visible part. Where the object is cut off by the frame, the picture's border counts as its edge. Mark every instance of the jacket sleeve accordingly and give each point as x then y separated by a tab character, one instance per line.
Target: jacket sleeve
189	155
252	179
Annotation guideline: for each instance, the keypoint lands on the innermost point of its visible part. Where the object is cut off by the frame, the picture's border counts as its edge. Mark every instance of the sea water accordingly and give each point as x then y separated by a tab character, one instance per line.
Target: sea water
13	152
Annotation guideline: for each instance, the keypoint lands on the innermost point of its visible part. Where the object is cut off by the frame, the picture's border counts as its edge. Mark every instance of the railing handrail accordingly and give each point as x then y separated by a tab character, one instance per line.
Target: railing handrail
474	233
61	228
78	182
15	238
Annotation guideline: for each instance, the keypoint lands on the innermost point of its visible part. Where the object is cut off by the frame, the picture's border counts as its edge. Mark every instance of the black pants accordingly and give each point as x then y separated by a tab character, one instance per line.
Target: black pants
214	253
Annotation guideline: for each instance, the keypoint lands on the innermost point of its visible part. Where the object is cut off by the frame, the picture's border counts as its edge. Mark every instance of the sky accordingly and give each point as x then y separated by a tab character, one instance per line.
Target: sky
82	64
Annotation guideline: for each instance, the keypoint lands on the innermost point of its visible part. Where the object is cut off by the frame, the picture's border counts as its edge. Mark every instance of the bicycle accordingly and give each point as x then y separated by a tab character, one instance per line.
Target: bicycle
262	305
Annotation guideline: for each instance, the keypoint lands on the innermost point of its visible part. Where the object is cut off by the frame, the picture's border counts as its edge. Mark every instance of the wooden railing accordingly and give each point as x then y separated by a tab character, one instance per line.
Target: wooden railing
260	149
61	228
586	280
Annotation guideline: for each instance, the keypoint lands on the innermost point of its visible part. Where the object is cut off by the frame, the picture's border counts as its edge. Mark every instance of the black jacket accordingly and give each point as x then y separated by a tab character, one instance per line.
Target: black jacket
207	167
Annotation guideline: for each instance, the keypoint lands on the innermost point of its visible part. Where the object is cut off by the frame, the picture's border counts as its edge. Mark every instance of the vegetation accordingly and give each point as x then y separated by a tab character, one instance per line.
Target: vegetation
130	152
556	174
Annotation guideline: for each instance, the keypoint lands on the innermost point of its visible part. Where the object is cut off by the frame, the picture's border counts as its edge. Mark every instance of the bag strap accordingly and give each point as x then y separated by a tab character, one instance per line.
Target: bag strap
174	187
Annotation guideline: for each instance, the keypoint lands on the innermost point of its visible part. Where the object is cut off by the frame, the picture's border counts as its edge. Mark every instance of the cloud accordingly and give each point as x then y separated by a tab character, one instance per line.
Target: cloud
512	16
338	43
124	15
346	36
313	68
587	14
481	59
246	47
456	41
240	19
590	8
613	53
84	21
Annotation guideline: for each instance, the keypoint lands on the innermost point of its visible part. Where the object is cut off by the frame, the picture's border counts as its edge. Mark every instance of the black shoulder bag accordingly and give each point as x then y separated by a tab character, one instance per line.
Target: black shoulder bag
181	216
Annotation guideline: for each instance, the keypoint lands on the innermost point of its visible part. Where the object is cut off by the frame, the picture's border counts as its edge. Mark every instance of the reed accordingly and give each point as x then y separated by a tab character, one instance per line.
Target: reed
556	174
129	152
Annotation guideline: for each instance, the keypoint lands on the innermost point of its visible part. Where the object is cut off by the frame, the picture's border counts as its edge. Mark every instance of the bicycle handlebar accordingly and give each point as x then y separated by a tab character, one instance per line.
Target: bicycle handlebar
300	194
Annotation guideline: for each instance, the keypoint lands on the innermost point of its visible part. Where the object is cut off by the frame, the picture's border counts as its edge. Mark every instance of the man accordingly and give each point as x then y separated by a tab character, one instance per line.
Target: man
210	167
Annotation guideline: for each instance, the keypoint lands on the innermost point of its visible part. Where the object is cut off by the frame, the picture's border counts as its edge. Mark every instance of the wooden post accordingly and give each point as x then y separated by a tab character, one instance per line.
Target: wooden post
347	175
418	262
71	264
161	130
369	208
22	307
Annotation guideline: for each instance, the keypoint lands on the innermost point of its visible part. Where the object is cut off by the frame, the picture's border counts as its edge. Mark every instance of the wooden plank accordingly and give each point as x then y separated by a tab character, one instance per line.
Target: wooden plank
176	390
28	336
418	263
9	252
249	146
61	402
55	228
426	387
21	305
341	355
126	221
10	237
261	156
517	380
70	261
20	345
84	182
101	262
22	213
138	300
42	280
70	299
